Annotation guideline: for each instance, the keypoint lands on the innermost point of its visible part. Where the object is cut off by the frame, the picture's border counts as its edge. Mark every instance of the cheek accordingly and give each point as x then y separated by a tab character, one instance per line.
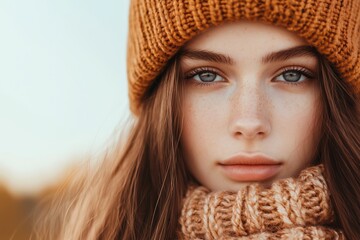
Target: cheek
298	122
201	126
199	118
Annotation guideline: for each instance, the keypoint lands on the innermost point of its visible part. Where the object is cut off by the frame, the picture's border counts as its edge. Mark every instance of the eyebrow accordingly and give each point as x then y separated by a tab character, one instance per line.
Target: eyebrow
298	51
207	55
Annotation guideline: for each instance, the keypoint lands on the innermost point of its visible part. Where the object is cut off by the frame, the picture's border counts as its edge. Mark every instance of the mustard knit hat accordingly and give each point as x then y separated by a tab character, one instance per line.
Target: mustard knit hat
158	28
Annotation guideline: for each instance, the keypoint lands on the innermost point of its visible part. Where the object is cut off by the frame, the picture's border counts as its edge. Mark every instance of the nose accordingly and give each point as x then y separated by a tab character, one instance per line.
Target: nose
250	113
250	128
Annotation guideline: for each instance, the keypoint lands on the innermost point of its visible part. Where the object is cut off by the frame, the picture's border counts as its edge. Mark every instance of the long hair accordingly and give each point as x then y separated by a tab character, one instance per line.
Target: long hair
137	193
340	147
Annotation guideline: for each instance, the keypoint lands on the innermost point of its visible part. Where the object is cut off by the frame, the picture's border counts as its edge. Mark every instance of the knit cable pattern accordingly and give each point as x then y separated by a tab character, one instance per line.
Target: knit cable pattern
158	28
290	209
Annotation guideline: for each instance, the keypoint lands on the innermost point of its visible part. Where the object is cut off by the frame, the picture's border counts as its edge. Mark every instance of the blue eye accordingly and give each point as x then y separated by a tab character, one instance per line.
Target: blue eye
208	77
204	75
294	75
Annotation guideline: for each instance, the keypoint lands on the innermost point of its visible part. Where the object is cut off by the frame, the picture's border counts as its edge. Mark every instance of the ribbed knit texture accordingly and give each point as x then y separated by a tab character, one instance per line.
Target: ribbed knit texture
290	209
158	28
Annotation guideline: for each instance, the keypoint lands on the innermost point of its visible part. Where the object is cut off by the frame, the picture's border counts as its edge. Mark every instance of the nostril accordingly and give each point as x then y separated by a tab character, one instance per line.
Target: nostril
250	135
250	129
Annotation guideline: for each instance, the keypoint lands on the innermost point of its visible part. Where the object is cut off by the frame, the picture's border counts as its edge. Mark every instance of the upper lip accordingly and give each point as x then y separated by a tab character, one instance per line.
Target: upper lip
249	159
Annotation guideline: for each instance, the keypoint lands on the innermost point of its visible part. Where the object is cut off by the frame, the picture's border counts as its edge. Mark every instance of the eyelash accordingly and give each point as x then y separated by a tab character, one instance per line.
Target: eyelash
303	71
201	70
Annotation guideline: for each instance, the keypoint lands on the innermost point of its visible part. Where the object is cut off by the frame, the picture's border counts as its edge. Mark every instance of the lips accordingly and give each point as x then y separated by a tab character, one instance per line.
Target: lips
244	167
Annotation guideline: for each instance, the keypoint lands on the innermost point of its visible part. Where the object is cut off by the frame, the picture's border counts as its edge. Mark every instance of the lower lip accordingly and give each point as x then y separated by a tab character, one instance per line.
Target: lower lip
248	173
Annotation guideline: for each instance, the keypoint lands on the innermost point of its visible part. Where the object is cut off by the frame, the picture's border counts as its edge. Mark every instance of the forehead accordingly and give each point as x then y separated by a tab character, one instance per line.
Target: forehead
252	39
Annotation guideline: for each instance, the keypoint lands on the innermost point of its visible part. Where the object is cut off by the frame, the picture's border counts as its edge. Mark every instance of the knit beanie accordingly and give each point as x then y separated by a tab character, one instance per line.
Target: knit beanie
158	29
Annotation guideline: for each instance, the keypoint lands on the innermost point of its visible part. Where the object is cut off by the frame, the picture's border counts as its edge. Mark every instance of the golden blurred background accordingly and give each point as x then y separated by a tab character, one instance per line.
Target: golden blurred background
23	216
18	214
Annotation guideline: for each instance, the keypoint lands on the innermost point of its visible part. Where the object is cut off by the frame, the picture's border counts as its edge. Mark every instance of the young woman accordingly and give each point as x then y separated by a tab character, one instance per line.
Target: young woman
246	126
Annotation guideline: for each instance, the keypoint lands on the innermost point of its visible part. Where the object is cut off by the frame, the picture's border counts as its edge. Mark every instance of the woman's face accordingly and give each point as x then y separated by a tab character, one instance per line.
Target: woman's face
251	105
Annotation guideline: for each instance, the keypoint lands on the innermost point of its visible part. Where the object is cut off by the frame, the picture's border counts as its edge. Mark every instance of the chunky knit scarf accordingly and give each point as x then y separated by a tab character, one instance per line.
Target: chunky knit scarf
290	209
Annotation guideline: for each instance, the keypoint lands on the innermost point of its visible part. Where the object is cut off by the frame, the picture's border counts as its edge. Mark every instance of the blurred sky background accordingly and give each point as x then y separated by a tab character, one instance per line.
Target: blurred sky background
63	86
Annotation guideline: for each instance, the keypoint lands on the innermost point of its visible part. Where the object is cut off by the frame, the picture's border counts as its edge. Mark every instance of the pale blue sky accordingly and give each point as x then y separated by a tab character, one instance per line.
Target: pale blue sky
63	84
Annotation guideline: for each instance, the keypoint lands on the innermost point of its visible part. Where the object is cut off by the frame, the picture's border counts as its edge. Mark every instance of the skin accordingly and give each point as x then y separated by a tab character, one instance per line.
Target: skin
248	107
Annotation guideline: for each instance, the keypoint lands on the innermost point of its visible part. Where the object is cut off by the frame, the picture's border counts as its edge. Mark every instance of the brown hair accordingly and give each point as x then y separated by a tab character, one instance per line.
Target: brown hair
339	148
137	193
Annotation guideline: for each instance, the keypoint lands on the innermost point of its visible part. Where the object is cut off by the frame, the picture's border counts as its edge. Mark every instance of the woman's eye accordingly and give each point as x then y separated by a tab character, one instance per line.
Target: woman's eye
207	77
293	76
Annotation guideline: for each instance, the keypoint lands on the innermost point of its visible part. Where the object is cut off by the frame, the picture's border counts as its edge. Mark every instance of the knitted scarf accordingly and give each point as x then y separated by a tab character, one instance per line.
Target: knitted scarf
292	208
